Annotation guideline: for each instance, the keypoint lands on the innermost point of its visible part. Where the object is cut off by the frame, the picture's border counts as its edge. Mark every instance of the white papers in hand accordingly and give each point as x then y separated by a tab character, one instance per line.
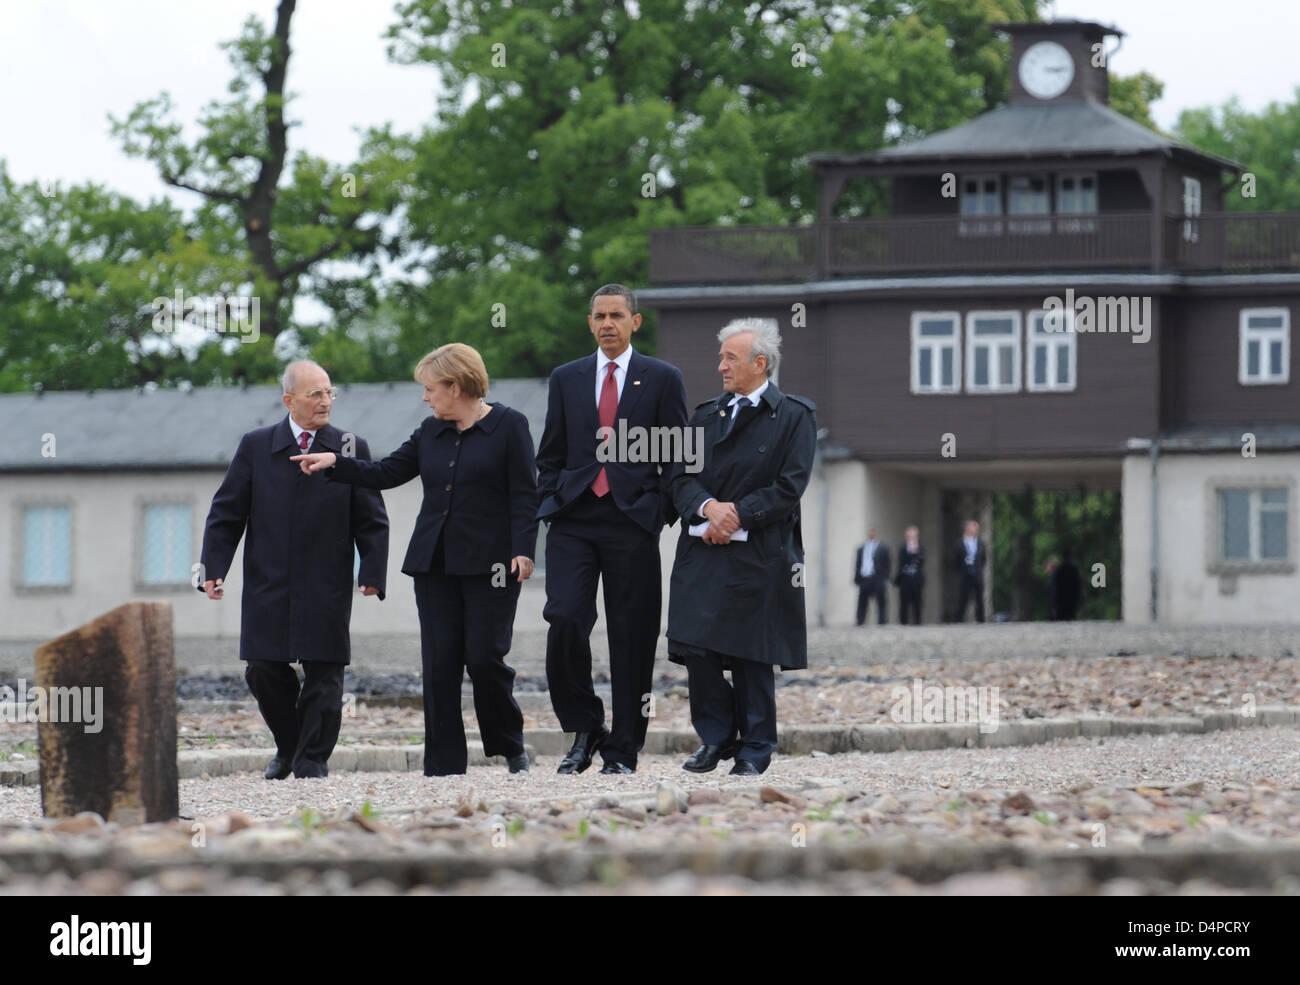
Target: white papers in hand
697	530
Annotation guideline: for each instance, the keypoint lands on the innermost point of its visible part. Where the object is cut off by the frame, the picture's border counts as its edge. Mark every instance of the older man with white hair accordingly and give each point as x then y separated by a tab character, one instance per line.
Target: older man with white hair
298	555
736	597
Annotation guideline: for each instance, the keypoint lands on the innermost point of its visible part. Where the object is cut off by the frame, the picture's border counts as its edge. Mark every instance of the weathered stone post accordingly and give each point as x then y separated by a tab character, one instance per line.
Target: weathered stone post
107	734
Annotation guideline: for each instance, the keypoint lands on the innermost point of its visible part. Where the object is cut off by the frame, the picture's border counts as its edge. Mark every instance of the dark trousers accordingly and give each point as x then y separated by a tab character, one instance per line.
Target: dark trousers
972	586
466	624
594	540
868	590
746	707
909	601
304	721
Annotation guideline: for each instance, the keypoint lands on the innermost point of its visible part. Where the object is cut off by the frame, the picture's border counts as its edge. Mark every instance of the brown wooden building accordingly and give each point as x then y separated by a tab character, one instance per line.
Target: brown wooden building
1059	298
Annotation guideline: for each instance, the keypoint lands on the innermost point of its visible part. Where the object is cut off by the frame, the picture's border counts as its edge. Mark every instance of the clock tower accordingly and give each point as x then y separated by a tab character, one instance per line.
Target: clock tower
1060	61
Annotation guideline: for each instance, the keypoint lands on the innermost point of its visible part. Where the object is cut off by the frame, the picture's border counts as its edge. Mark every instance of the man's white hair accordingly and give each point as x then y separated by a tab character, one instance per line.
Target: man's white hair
289	379
766	341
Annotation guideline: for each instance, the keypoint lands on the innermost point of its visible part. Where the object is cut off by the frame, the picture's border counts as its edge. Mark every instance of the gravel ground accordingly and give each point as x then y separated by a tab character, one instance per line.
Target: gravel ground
1227	790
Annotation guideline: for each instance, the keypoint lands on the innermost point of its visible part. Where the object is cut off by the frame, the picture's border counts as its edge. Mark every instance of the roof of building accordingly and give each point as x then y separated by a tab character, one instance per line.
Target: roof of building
1058	129
200	428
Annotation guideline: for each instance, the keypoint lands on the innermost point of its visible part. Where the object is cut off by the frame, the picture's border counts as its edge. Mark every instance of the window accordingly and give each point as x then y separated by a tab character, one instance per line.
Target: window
1265	340
1191	209
47	547
1253	526
981	195
1050	345
992	351
1076	194
166	549
936	354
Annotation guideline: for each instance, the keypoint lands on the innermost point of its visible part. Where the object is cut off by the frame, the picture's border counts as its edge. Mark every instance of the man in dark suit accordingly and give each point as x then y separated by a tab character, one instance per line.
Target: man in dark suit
604	516
871	575
1063	586
911	576
969	558
737	590
297	595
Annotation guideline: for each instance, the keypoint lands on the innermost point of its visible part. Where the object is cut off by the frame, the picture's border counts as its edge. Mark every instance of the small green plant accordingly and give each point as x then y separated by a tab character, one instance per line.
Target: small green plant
818	814
413	740
583	827
309	822
1042	818
956	805
368	811
515	827
1194	817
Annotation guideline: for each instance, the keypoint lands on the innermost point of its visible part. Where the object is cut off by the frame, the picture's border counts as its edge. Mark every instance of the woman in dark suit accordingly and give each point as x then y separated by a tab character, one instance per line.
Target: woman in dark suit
471	551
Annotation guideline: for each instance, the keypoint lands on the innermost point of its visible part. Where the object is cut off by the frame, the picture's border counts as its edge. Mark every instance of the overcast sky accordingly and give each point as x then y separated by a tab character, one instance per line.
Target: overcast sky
66	64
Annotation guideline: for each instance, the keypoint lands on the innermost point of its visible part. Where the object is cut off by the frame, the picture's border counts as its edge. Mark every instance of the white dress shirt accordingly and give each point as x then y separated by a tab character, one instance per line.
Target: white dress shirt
972	546
620	374
297	434
869	559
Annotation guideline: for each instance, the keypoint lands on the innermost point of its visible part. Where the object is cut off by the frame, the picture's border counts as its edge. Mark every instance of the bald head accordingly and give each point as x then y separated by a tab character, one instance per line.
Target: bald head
306	394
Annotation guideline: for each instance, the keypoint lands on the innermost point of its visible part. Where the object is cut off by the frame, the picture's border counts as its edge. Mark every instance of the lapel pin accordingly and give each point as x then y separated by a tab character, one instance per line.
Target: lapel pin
636	382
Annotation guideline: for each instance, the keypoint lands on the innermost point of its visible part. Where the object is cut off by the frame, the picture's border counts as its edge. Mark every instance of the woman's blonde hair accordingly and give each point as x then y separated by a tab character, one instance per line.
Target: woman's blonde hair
456	363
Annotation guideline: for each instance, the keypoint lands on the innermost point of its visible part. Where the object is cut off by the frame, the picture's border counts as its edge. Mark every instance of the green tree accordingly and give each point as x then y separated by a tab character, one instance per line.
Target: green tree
1264	142
283	216
567	131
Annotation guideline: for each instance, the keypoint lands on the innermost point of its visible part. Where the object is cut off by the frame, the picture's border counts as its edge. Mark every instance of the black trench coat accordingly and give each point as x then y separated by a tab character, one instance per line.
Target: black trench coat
298	557
746	599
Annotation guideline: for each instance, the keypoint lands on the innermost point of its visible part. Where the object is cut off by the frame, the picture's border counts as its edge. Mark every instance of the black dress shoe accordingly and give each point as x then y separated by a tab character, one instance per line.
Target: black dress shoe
278	769
518	764
308	770
706	758
585	744
613	767
744	767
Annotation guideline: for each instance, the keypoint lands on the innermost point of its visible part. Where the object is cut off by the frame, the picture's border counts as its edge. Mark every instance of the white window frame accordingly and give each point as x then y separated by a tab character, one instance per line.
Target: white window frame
142	513
1246	334
1191	209
1077	176
1067	339
936	344
1013	339
1046	199
980	179
21	585
1217	563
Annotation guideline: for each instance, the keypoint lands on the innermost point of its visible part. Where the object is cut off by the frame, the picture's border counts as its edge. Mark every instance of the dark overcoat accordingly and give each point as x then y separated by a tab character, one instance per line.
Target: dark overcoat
298	549
746	599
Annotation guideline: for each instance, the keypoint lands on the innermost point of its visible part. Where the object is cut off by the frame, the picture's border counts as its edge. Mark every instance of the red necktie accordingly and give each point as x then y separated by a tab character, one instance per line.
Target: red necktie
607	410
304	440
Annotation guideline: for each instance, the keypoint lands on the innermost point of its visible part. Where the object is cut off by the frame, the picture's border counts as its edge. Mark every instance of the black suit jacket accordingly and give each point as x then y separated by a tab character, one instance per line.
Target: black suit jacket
654	396
480	491
881	561
298	535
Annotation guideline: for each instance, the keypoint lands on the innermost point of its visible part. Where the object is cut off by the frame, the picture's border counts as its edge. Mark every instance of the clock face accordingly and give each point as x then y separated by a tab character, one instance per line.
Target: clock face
1046	70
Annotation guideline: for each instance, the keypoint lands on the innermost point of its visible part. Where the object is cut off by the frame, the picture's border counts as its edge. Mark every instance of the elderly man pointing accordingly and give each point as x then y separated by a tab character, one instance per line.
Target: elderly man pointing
736	595
297	593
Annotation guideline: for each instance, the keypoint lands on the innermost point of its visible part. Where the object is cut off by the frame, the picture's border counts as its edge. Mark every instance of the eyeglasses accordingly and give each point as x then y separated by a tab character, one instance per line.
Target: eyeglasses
318	393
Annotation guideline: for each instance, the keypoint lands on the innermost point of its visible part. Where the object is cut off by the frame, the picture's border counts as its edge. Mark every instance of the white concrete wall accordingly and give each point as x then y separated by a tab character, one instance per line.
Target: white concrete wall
107	529
1188	591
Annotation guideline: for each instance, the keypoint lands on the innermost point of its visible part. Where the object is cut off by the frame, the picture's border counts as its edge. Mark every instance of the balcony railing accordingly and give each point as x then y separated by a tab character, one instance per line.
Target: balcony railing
1232	241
